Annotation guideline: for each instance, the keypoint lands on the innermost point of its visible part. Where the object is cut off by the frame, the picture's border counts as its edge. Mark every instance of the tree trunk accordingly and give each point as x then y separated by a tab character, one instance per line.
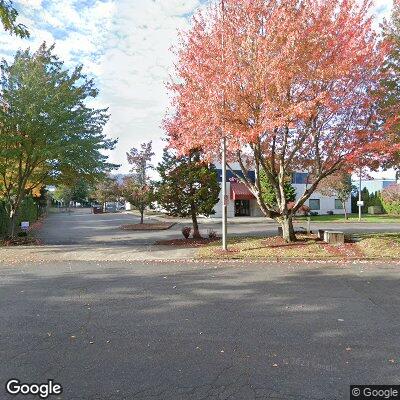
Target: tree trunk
345	211
196	231
141	215
13	223
287	228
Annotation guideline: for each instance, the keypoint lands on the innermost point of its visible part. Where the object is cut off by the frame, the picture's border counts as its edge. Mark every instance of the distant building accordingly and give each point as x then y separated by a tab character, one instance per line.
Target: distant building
243	203
373	185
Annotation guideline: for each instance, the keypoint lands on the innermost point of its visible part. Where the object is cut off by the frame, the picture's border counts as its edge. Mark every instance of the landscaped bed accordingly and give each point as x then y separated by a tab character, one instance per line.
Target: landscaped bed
157	226
21	241
190	242
308	247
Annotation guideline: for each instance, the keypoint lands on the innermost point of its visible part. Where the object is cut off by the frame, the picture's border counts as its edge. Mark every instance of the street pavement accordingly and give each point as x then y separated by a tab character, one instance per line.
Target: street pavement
184	331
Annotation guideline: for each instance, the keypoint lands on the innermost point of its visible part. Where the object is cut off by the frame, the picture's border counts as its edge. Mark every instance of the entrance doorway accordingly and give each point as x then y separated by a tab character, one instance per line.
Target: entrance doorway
242	208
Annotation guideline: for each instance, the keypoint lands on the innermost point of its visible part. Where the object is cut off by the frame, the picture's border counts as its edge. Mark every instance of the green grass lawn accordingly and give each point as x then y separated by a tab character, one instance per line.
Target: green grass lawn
371	246
353	218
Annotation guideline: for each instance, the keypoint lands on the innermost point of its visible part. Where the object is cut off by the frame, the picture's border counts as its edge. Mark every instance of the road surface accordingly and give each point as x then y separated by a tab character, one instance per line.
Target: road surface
192	331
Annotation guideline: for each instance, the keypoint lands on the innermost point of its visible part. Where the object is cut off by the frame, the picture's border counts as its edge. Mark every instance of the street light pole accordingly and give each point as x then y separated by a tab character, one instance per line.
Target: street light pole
224	199
224	194
359	197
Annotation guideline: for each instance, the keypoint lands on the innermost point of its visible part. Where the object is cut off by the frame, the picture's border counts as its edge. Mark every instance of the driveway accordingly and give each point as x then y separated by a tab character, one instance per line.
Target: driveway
119	331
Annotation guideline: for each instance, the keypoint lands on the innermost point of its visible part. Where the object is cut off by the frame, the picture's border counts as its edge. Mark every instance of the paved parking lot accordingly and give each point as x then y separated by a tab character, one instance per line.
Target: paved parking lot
80	227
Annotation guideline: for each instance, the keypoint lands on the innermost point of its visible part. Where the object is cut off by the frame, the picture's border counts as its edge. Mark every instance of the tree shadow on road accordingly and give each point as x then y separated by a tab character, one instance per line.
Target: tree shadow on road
171	332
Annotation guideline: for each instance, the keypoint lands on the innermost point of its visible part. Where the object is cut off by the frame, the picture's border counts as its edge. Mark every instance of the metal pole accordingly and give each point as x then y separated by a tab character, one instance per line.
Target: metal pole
224	194
224	198
359	198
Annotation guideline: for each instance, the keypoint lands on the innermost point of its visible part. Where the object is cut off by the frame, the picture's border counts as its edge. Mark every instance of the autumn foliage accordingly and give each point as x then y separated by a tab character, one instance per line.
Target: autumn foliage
289	84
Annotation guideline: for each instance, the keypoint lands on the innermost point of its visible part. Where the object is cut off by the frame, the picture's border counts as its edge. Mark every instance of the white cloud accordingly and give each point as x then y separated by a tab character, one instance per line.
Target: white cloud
136	66
125	45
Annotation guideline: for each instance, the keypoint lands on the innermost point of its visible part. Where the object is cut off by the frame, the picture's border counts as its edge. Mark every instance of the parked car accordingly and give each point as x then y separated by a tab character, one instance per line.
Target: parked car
97	209
111	207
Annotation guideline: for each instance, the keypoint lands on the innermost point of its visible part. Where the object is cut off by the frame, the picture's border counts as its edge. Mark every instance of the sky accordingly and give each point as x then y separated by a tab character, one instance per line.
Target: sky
125	46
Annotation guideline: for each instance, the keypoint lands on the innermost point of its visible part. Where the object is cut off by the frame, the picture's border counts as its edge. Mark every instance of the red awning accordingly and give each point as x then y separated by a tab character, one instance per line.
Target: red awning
239	191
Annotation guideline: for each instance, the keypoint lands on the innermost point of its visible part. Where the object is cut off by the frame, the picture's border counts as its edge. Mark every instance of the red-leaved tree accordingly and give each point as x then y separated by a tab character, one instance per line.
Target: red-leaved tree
290	86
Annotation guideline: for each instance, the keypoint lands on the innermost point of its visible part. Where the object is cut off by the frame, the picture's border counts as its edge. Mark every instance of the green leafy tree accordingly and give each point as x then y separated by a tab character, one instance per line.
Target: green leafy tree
138	195
48	134
63	195
79	192
188	187
106	189
268	192
137	188
8	17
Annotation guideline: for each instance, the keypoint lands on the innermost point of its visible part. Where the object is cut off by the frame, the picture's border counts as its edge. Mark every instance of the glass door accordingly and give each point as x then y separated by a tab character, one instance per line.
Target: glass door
242	208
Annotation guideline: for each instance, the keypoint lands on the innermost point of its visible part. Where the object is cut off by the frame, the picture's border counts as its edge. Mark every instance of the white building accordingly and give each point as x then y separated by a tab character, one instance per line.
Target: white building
243	203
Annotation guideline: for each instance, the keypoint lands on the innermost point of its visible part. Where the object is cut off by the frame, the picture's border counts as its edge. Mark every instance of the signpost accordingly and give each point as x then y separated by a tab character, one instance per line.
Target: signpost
25	226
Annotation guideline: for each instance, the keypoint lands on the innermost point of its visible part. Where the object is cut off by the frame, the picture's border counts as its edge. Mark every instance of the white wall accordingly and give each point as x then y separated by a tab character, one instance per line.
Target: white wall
327	203
231	204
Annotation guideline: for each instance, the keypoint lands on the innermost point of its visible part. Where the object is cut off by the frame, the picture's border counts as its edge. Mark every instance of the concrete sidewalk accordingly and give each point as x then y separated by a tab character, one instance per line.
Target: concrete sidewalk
97	253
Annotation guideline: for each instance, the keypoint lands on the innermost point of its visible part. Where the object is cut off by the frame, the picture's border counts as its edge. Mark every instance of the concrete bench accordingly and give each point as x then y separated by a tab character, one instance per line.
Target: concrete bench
334	237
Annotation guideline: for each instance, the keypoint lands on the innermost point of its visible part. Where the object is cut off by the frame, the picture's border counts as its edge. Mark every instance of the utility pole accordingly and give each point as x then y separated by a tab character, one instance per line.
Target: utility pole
224	194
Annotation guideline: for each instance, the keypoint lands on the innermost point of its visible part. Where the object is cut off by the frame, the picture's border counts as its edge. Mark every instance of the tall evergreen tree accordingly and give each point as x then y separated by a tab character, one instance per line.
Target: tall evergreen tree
268	193
188	187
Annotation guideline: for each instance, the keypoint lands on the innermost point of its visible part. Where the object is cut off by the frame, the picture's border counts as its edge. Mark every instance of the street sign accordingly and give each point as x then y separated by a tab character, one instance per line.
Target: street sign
360	203
25	225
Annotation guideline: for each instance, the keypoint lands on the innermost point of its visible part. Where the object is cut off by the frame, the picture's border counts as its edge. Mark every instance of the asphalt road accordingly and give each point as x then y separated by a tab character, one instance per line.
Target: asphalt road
192	331
83	228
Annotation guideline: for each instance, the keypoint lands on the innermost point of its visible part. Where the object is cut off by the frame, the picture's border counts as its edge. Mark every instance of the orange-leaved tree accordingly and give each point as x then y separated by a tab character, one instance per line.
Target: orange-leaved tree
289	84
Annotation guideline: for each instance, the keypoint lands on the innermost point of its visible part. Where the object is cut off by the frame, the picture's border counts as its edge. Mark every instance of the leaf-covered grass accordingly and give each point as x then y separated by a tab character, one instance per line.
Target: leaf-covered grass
270	248
380	246
353	218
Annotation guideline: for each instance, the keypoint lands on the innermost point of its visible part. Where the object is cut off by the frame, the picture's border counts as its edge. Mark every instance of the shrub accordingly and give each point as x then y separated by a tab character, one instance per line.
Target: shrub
186	231
212	234
330	212
391	199
304	210
27	212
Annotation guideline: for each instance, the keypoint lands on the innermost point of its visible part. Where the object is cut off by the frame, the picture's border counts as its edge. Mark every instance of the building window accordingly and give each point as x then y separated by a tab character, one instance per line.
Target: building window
338	205
299	178
314	204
